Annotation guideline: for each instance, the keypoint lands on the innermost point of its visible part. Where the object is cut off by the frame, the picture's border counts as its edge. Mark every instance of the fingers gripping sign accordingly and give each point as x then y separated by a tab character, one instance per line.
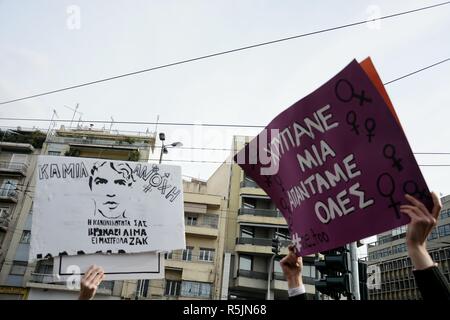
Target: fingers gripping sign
90	282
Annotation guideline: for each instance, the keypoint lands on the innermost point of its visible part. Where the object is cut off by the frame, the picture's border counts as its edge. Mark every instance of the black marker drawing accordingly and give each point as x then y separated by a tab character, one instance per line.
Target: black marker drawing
268	181
279	182
110	193
410	187
389	153
351	120
370	127
388	192
345	92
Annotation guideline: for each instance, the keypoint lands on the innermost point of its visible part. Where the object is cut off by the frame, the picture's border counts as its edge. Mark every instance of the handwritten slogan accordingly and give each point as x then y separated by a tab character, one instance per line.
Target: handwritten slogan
87	206
336	163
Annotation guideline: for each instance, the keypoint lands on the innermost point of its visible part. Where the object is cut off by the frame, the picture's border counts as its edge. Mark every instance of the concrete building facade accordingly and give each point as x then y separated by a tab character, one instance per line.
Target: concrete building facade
391	267
252	221
18	278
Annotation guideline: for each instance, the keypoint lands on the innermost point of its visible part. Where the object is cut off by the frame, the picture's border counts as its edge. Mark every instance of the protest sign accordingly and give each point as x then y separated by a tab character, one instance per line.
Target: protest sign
89	206
131	266
337	163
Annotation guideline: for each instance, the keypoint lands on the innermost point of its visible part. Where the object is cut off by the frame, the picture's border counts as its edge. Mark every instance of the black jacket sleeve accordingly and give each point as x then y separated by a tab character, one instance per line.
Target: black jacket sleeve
298	297
432	284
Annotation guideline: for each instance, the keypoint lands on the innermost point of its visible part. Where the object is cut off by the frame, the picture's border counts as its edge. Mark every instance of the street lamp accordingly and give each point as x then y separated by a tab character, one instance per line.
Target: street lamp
164	147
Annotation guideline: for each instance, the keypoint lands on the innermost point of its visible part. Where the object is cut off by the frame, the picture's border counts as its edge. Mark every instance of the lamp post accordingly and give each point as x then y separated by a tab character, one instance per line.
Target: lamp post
164	147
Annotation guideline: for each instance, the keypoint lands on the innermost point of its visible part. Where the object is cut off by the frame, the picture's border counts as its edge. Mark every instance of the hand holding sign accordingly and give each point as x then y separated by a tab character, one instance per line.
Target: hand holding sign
336	185
90	282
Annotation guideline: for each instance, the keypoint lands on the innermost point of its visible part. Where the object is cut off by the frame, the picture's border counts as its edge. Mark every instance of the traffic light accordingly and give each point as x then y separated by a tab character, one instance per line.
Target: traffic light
335	277
276	246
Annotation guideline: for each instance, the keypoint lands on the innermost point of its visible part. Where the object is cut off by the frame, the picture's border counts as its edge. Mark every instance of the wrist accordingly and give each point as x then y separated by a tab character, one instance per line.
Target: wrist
420	258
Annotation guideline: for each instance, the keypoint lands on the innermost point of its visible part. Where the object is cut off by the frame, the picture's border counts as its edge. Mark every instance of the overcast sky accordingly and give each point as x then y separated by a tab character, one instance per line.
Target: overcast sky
43	47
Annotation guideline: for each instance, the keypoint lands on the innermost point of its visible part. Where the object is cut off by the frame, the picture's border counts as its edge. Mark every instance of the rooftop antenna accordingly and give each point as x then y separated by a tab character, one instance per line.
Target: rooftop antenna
74	112
52	123
112	121
156	126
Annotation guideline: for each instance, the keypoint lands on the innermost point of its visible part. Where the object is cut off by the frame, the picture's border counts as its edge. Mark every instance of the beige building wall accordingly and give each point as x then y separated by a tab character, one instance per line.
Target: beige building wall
204	229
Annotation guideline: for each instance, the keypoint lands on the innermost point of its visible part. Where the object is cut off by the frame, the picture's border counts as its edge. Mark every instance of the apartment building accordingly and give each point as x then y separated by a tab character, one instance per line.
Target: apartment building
195	273
18	150
389	257
18	279
252	221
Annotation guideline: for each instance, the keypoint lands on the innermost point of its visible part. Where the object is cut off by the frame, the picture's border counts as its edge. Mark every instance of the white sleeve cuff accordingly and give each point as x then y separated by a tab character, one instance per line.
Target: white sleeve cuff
296	291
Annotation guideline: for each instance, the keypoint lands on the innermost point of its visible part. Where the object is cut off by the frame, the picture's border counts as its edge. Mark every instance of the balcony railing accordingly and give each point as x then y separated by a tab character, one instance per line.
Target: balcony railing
176	256
48	278
9	194
261	242
14	167
260	212
255	241
103	142
252	274
203	223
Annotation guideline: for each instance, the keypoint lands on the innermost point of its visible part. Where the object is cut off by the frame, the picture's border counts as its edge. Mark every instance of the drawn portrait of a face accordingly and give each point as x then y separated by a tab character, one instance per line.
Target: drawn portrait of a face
111	186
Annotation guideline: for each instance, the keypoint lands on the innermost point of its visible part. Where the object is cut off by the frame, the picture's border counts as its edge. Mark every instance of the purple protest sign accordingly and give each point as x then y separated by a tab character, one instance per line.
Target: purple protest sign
337	164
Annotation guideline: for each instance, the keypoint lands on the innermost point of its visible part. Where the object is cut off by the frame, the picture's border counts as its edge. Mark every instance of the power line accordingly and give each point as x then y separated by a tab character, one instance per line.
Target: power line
417	71
182	148
225	52
190	123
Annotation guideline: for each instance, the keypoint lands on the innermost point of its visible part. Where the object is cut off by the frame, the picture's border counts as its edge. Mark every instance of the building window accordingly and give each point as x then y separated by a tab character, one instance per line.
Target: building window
247	232
444	230
26	235
191	221
195	289
18	268
8	188
206	254
245	262
173	288
187	254
433	235
309	271
168	255
445	214
54	153
4	213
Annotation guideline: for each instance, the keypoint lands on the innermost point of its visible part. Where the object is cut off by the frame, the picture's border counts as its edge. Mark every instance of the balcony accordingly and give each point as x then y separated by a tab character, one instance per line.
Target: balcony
202	228
268	216
113	143
261	212
49	281
13	168
260	245
251	280
8	195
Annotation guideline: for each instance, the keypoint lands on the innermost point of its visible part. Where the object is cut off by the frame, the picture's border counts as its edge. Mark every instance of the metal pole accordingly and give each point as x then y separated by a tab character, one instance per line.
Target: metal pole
354	269
317	295
162	150
269	277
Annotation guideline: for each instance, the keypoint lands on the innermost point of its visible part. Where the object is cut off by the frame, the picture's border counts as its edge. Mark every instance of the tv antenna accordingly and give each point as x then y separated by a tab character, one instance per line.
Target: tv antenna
112	121
75	111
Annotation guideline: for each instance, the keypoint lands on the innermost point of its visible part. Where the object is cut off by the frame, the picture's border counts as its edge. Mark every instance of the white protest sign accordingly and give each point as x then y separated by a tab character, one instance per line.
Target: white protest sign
147	265
89	206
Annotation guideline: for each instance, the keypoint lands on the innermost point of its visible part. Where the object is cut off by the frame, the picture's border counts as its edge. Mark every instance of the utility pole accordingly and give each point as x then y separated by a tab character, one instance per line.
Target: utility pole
354	270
